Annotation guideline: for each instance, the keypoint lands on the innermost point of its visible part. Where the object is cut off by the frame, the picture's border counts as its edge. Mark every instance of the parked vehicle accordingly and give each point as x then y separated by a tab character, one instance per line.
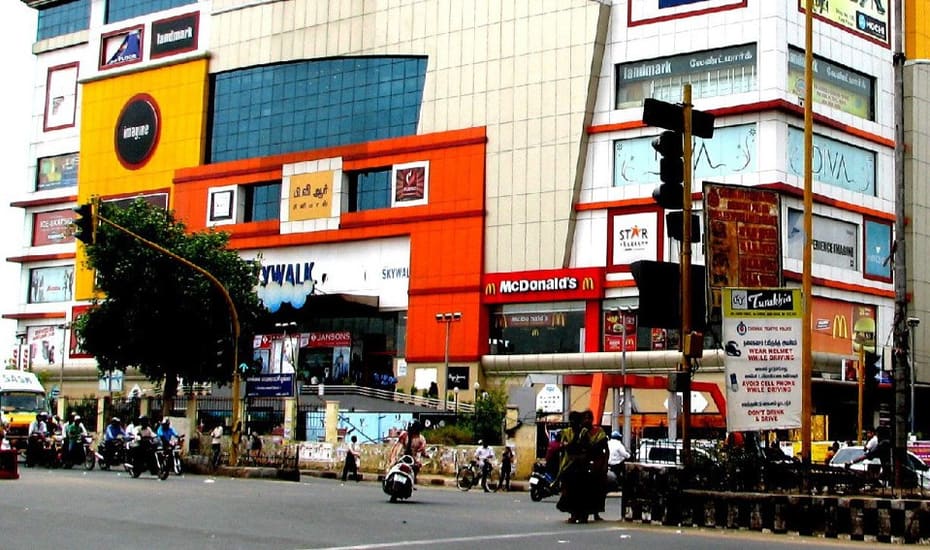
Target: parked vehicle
916	471
400	479
542	483
469	476
667	452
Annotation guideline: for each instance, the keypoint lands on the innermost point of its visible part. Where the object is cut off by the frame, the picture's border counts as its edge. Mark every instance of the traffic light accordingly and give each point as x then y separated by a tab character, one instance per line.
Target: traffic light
670	147
85	224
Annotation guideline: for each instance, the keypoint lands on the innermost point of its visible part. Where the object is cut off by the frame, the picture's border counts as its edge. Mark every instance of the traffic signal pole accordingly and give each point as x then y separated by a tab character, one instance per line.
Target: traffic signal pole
685	366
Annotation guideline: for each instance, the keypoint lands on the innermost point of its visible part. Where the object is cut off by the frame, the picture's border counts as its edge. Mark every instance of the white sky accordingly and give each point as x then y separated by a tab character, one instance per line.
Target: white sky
17	34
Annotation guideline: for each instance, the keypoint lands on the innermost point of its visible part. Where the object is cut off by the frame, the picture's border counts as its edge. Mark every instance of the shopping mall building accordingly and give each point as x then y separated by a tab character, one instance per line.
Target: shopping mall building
454	192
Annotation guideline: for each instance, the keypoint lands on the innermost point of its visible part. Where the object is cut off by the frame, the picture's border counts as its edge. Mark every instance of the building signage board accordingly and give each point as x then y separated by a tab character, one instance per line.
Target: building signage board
60	97
549	399
717	72
835	242
311	195
834	163
270	385
543	286
291	274
45	344
122	47
837	325
175	35
614	322
732	151
51	284
762	341
634	237
643	12
137	131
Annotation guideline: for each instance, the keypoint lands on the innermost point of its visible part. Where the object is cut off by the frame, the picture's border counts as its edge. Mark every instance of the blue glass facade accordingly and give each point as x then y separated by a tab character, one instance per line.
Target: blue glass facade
63	19
283	108
263	202
370	190
120	10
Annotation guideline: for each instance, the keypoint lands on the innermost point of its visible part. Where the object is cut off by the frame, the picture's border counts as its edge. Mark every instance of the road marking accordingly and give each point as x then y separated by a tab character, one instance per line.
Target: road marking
511	536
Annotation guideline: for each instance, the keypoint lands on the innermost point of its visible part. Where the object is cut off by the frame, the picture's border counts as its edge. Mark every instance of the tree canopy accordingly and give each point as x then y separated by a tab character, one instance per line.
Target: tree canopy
158	315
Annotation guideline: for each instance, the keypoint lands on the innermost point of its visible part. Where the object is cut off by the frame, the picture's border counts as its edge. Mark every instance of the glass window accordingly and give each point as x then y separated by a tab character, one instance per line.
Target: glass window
263	202
288	107
554	327
369	190
63	18
120	10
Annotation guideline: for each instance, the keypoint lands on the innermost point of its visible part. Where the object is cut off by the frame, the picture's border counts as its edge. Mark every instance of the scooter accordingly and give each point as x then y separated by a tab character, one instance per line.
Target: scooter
400	478
542	484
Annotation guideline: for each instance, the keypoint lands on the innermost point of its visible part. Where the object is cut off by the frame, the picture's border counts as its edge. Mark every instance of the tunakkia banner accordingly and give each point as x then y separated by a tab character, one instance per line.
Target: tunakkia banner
762	342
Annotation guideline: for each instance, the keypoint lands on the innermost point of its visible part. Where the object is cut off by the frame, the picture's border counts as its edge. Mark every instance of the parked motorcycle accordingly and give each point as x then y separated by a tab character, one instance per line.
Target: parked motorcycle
542	484
111	453
148	456
400	479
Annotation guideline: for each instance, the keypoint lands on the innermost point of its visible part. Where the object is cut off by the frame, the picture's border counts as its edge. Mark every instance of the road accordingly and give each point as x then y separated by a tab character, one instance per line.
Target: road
77	509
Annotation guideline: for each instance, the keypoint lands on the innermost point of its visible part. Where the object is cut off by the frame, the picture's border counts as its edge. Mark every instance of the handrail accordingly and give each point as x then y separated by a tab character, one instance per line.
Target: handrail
387	395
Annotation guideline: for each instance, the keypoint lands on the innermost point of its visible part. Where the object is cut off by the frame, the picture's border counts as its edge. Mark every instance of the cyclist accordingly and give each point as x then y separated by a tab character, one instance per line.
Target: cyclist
484	456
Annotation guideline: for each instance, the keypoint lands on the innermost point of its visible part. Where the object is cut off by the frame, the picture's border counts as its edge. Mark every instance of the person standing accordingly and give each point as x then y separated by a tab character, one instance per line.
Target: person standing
596	453
507	458
353	453
484	456
216	441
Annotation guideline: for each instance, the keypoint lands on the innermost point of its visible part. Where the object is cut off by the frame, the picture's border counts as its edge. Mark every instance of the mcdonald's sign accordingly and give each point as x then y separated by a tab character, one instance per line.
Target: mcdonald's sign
840	327
540	286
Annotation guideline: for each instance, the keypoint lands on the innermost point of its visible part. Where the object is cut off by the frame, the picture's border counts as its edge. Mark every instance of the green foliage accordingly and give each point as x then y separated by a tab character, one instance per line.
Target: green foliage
157	314
490	410
450	435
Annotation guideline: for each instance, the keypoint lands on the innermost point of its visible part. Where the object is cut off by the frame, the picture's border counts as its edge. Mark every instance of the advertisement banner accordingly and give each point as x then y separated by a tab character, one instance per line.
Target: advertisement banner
634	237
878	243
833	162
838	326
45	344
52	227
57	172
51	284
762	335
869	19
835	242
614	322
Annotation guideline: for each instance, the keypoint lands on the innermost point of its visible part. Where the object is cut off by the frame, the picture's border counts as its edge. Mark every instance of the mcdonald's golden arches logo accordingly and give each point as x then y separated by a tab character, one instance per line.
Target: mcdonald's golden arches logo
490	289
840	327
587	283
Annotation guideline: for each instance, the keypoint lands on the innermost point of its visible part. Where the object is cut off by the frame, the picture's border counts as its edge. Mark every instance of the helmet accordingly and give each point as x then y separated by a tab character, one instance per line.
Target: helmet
615	435
480	442
42	415
143	421
166	421
115	420
77	418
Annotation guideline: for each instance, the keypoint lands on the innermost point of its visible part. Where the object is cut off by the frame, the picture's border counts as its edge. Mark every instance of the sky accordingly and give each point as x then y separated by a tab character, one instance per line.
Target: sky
17	34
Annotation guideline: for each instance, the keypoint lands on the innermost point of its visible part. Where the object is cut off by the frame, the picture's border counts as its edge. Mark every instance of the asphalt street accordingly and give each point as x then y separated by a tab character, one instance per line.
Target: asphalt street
77	509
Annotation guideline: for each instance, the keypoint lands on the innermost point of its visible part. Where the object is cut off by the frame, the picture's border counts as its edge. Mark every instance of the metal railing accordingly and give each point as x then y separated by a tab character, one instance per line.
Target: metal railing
430	402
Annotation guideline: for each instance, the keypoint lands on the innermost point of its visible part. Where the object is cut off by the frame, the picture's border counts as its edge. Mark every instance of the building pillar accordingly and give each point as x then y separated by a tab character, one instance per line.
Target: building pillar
290	418
101	415
332	422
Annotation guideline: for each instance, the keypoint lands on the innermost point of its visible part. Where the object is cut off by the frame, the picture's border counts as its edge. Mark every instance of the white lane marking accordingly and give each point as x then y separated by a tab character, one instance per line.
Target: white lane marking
510	536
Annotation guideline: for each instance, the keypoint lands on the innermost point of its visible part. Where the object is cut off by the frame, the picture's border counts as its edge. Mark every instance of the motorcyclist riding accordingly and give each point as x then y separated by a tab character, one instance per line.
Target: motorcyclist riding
412	443
74	440
145	445
35	446
166	432
113	437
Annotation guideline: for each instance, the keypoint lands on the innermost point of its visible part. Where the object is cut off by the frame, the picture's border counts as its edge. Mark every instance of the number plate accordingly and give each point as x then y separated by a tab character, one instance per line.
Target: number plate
534	480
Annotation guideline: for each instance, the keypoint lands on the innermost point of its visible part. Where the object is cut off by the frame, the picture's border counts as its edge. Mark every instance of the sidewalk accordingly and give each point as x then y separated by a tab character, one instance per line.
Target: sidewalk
199	465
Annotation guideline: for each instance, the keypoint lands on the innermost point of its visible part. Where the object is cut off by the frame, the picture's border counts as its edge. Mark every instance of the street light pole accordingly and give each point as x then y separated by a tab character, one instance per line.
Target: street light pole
627	394
61	374
448	319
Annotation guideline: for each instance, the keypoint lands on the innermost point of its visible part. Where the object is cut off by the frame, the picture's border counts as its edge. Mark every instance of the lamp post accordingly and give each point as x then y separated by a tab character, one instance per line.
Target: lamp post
61	373
477	388
627	393
447	319
912	323
455	390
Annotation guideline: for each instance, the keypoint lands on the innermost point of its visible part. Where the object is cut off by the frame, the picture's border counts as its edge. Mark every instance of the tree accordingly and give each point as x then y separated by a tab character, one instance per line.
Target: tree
488	421
158	315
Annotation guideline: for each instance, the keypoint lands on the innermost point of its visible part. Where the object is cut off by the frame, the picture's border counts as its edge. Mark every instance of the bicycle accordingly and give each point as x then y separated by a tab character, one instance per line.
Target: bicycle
469	476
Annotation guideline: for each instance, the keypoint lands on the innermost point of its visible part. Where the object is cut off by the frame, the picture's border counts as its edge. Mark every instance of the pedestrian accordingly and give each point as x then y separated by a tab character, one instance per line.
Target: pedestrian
507	458
571	466
353	453
484	456
597	456
216	441
831	452
255	446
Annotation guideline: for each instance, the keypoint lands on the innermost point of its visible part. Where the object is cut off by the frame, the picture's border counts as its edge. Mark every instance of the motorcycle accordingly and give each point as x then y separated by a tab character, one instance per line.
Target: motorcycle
38	448
542	484
400	479
81	452
111	453
148	456
174	454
